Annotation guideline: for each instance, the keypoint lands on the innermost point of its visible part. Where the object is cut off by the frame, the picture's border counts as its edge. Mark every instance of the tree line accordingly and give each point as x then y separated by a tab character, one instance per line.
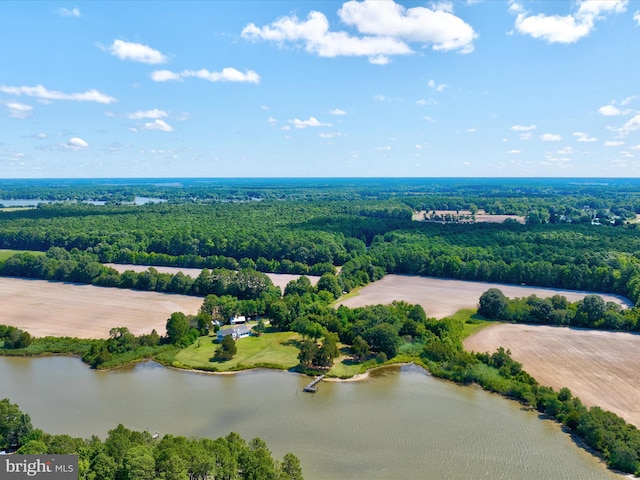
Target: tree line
590	312
131	455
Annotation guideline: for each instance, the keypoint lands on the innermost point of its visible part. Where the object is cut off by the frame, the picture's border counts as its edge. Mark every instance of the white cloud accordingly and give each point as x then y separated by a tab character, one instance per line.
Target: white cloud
164	76
584	137
312	122
439	88
429	101
429	119
613	143
42	135
566	151
523	128
65	12
42	93
470	130
567	28
19	110
636	147
76	143
550	137
272	121
609	111
338	111
526	136
136	52
384	28
155	113
385	148
159	125
514	151
330	135
226	75
636	17
631	125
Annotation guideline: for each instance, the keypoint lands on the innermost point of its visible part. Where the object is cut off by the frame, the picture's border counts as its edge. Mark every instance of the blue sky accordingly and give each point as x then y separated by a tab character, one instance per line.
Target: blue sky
320	89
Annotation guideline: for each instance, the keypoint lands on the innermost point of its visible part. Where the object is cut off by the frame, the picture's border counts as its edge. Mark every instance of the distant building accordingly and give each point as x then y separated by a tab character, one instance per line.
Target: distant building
238	320
237	332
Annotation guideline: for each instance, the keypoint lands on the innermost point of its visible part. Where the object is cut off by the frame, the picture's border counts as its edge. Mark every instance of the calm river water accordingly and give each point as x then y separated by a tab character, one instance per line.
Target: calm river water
398	424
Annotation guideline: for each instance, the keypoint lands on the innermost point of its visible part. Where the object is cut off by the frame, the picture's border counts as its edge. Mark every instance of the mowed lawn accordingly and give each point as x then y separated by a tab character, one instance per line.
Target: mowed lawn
271	349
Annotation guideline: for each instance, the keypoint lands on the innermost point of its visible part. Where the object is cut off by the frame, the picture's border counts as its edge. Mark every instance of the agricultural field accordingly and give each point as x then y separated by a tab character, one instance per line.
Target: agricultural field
278	279
441	298
45	308
601	368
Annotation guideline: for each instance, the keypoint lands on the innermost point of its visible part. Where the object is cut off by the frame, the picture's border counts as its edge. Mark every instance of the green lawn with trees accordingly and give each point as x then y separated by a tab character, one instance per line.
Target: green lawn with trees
271	349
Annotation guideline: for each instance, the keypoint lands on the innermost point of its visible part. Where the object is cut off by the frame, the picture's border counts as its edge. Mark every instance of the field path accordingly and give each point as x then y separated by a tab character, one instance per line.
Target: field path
601	368
443	297
64	309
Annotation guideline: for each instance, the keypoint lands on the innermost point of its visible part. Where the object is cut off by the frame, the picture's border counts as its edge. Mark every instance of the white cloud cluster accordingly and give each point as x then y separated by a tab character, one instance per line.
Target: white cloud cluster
632	125
609	111
565	28
42	93
136	52
77	143
384	28
523	128
226	75
636	17
584	137
337	111
19	110
155	113
438	88
550	137
66	12
312	122
613	143
158	125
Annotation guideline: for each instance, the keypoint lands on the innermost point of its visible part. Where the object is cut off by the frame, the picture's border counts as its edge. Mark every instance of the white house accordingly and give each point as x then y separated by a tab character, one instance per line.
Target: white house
237	332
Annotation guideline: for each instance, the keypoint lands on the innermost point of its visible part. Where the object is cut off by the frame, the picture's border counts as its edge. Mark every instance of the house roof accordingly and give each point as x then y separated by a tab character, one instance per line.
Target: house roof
238	330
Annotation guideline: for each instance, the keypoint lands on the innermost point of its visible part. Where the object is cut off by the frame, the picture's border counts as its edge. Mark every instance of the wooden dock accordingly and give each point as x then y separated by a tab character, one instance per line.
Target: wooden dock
311	388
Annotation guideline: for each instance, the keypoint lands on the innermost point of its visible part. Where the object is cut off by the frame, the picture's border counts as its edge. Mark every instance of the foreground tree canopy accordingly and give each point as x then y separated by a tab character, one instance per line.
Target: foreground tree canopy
129	455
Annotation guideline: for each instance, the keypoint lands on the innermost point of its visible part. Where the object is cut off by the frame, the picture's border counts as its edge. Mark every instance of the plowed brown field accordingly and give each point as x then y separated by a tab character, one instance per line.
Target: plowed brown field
601	368
63	309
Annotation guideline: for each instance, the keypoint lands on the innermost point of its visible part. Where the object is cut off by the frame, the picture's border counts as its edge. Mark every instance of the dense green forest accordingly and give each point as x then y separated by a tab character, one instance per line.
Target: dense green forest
577	235
130	455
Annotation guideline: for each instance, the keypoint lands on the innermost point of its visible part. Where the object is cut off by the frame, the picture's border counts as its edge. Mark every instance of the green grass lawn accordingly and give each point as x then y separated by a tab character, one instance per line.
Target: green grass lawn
4	254
471	321
271	349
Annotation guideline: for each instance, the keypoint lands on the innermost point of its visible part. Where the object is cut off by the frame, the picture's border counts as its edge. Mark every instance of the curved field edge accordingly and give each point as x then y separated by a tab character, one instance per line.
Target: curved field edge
600	367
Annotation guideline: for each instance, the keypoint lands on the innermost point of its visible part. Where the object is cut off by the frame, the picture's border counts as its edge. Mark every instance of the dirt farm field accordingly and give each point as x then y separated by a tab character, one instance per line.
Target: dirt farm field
63	309
442	297
278	279
601	368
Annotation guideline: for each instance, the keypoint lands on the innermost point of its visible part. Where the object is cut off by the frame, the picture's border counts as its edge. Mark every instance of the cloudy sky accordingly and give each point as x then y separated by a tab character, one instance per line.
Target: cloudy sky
320	88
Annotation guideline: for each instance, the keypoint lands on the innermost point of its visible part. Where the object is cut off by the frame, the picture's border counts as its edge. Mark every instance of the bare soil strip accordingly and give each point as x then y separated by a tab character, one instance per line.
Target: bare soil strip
601	368
45	308
441	297
278	279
